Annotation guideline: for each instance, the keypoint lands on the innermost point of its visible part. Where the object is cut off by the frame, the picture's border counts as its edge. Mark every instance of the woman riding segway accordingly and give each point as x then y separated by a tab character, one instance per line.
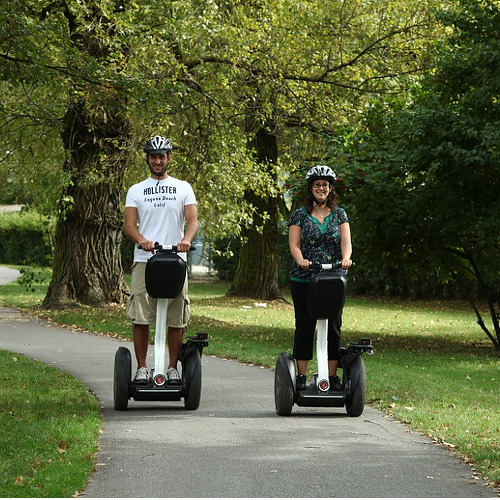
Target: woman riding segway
318	232
320	243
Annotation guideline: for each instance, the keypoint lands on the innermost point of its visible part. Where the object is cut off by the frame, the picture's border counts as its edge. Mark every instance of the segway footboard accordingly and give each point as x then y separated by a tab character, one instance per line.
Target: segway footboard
321	399
157	393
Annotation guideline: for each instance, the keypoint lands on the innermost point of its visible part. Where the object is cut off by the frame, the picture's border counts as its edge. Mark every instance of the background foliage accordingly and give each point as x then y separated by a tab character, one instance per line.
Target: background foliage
400	98
25	239
432	162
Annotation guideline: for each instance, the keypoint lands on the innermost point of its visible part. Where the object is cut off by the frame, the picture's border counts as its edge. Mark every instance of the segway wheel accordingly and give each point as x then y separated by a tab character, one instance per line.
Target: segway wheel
192	370
122	378
356	403
283	388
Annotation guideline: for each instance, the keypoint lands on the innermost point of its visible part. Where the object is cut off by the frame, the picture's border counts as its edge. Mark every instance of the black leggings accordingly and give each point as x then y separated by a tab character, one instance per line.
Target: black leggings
305	327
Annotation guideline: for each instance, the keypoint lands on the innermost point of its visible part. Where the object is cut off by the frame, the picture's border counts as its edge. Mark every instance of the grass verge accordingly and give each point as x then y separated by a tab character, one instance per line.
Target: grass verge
50	425
433	368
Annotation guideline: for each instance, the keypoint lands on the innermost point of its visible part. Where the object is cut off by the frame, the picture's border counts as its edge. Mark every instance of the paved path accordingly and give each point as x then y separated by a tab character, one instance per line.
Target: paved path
8	274
235	445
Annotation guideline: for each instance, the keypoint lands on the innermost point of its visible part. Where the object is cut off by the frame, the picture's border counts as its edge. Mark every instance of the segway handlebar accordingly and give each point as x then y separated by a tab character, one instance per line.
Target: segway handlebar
166	248
316	267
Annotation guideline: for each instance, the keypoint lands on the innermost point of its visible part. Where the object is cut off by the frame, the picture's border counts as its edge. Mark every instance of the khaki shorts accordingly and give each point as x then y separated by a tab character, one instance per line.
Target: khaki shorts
141	308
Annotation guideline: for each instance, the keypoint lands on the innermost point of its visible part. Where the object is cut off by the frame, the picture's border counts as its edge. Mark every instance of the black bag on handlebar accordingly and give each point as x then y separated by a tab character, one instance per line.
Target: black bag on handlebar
326	295
165	275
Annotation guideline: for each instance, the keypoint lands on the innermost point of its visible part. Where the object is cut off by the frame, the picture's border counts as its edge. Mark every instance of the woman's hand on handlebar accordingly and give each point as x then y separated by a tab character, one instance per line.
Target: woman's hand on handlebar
346	263
343	264
304	264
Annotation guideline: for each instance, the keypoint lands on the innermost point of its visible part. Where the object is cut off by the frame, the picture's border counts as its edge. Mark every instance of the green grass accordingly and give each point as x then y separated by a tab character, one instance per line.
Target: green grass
433	368
50	426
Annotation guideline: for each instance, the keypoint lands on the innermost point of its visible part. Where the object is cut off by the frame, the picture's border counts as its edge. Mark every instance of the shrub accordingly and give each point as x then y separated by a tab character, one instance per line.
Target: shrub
25	239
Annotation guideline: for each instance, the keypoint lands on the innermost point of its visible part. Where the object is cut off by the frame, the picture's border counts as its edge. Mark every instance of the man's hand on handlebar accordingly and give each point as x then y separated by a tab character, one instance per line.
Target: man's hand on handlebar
183	246
147	245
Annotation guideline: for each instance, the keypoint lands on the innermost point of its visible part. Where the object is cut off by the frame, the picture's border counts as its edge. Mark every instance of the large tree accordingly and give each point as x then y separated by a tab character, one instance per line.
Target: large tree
87	264
428	202
246	90
282	76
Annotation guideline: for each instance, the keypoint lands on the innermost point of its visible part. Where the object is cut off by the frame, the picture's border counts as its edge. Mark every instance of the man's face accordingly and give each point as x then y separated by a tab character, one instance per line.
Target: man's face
158	163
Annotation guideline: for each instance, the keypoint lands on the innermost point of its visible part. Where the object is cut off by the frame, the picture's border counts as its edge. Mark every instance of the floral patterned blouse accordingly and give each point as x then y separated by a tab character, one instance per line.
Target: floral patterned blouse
320	242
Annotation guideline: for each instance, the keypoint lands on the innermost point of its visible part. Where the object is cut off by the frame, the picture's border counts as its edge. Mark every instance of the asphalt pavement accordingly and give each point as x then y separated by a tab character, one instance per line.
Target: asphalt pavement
8	274
235	445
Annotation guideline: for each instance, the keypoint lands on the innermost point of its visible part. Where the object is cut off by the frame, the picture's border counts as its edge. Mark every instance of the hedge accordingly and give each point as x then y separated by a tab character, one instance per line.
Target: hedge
24	239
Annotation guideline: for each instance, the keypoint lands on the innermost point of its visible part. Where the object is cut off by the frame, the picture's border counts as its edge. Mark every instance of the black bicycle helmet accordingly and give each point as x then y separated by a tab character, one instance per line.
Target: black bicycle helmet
321	172
157	145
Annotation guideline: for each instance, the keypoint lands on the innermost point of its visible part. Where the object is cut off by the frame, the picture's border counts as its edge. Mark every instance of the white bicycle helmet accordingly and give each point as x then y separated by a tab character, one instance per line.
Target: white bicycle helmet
157	145
321	172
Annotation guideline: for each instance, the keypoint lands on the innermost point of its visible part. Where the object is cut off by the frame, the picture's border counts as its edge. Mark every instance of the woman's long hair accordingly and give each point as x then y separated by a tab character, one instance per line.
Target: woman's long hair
332	200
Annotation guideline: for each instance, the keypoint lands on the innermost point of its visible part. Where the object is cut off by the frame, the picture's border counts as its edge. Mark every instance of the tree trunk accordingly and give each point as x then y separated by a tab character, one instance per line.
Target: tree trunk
87	261
491	295
257	272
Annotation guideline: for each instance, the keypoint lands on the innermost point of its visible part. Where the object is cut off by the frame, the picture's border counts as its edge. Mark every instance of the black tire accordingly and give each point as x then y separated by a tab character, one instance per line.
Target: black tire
192	370
356	403
122	378
283	388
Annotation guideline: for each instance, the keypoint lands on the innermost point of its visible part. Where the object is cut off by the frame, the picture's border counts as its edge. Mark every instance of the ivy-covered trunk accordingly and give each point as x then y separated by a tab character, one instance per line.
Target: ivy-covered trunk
87	261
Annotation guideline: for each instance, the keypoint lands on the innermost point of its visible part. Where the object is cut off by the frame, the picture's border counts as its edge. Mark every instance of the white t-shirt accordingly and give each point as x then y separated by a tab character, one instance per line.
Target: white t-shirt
160	208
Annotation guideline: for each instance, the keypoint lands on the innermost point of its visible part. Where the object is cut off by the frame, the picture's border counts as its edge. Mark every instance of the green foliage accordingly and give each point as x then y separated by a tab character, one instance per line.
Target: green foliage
86	81
24	238
299	72
225	257
226	254
31	278
425	175
127	253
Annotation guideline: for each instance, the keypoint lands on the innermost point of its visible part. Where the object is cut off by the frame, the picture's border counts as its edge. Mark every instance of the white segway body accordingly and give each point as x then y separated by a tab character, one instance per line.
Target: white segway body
327	292
165	276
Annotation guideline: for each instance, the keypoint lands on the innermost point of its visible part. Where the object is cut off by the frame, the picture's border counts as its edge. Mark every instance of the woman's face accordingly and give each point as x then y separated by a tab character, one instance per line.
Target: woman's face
320	190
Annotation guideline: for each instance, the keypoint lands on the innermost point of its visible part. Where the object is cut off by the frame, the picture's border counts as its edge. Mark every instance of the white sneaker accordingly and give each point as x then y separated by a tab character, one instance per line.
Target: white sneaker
173	376
141	376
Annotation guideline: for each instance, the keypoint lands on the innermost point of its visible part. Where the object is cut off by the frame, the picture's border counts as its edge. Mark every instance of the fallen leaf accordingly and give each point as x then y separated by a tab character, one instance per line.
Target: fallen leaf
62	447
